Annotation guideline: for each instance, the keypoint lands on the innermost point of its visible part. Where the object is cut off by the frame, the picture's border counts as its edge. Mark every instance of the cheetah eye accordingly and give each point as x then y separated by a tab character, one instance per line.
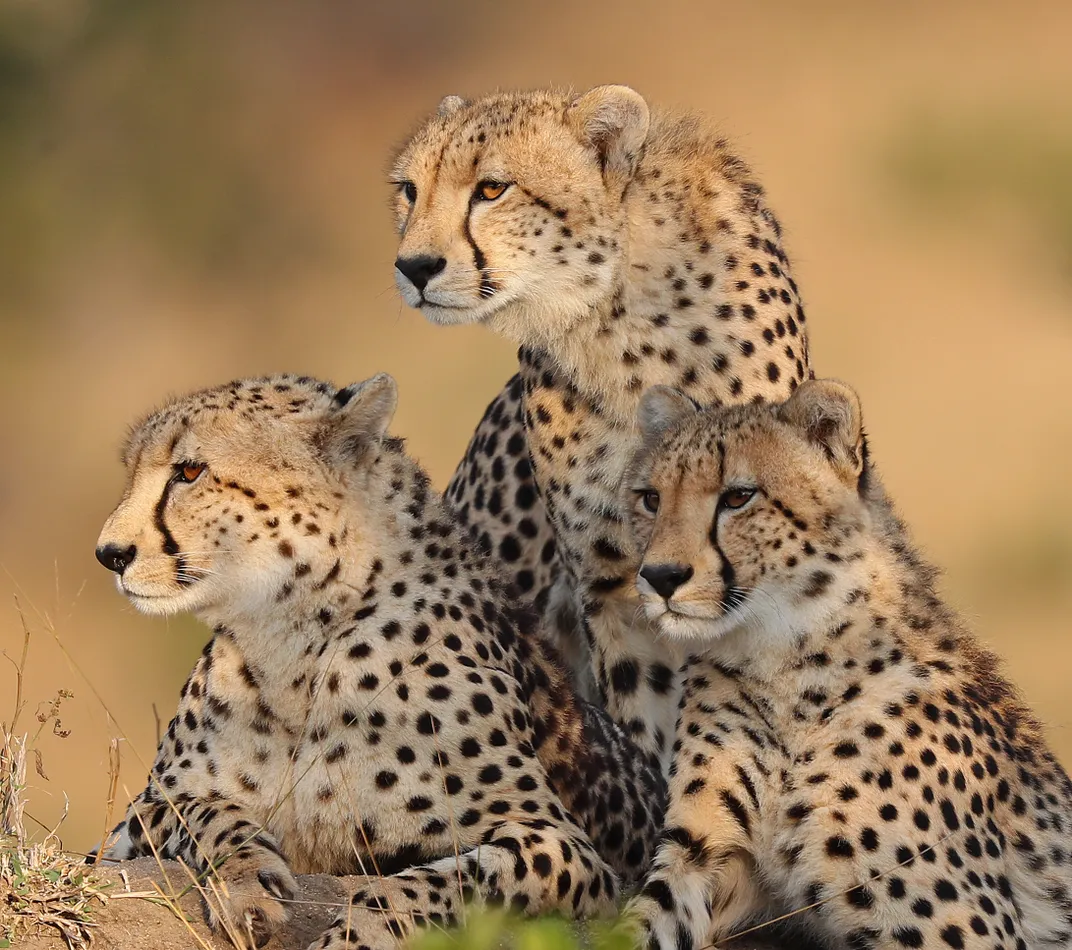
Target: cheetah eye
490	190
188	472
734	498
649	498
410	191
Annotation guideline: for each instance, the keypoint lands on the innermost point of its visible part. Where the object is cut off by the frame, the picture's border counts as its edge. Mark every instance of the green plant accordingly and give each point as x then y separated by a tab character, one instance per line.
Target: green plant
496	930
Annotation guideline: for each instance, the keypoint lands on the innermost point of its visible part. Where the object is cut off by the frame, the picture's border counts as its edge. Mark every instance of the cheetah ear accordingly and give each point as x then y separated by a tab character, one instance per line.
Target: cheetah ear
660	407
614	121
828	413
358	418
449	104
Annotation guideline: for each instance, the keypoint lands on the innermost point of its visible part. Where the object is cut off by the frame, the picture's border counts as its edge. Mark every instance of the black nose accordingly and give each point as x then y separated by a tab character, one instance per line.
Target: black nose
113	557
666	578
421	269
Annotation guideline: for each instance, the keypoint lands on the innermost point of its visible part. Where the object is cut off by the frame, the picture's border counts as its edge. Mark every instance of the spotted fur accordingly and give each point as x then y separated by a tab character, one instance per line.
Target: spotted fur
369	703
846	750
626	250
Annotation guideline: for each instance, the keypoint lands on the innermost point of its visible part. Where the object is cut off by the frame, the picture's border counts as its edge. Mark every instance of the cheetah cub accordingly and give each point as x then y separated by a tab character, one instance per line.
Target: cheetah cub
368	701
622	247
845	748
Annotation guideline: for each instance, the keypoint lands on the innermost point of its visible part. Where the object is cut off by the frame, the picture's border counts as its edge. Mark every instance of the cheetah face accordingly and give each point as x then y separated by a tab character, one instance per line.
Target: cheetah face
229	491
750	517
509	208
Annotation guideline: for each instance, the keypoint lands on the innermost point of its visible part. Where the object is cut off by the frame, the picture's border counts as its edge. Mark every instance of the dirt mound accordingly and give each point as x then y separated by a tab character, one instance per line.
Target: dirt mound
136	923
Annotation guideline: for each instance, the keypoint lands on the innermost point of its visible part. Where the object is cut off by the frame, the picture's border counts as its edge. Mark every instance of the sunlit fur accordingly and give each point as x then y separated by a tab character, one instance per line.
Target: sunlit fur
847	758
741	447
632	248
218	569
370	699
534	283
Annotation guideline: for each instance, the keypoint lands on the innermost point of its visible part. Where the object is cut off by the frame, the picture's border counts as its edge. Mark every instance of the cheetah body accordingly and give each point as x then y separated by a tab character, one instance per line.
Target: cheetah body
846	752
627	250
368	701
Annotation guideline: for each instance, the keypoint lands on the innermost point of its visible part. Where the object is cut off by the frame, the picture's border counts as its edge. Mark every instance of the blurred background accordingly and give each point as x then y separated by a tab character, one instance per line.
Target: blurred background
192	192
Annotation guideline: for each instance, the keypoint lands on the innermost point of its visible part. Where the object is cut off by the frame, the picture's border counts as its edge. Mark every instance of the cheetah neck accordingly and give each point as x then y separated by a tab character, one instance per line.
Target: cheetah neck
399	557
869	610
378	540
718	316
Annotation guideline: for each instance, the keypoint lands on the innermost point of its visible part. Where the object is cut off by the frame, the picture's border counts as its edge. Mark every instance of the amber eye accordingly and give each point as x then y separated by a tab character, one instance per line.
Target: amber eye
736	498
188	472
410	191
650	500
490	190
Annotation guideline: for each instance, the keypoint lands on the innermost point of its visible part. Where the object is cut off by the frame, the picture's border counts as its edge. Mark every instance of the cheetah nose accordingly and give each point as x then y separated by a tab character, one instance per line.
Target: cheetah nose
666	578
421	269
113	557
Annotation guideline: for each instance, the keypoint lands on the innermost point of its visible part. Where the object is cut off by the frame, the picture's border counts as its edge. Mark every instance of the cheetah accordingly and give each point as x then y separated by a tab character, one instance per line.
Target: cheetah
847	754
369	702
620	249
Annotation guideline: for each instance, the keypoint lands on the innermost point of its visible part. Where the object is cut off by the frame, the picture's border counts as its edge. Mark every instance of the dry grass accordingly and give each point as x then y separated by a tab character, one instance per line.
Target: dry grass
44	886
41	885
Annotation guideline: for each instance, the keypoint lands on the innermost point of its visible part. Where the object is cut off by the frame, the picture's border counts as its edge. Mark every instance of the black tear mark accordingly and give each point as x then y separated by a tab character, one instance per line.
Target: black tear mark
487	286
170	545
734	596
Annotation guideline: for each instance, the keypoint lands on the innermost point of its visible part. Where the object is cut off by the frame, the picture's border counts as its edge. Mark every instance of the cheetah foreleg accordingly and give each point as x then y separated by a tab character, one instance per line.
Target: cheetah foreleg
694	891
242	875
531	867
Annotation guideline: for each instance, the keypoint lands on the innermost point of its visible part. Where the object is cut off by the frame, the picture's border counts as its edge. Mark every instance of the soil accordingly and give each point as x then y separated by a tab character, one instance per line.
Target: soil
136	924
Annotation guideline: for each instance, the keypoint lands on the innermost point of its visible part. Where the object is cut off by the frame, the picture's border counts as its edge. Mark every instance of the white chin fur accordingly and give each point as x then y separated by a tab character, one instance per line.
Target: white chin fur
678	626
449	316
444	307
164	605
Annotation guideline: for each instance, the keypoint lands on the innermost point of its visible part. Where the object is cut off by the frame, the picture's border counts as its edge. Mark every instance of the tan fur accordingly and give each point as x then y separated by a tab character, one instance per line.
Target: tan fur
843	741
631	248
369	701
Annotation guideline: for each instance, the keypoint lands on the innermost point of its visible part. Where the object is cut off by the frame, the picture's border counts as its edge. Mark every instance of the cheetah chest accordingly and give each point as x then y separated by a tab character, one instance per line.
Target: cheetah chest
349	757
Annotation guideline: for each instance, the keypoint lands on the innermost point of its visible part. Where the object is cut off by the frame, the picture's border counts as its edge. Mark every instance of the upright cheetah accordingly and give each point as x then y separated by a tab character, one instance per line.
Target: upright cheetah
620	251
368	701
845	747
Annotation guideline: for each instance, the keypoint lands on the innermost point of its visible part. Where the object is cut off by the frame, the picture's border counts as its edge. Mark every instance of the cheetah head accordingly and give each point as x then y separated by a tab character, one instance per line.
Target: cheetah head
230	491
510	208
750	517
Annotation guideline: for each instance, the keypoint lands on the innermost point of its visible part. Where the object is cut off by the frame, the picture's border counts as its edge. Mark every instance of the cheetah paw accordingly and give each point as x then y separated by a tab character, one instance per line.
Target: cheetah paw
647	924
360	929
249	902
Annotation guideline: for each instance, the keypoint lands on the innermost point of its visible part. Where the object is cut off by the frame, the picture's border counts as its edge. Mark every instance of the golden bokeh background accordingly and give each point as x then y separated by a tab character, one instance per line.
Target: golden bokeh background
192	192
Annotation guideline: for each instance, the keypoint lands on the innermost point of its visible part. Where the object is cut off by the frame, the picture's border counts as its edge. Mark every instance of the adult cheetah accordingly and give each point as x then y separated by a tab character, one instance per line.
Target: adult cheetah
846	749
620	250
369	701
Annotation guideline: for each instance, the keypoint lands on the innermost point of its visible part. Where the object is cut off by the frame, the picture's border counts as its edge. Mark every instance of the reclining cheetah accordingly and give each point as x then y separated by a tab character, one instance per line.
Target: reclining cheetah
368	701
620	251
845	746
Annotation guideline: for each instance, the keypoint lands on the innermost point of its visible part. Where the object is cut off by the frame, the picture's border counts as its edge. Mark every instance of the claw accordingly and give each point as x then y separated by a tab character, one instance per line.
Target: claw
275	885
258	927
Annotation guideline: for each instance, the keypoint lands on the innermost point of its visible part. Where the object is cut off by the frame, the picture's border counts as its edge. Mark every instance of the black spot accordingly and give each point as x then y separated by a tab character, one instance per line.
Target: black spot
624	676
818	582
839	847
